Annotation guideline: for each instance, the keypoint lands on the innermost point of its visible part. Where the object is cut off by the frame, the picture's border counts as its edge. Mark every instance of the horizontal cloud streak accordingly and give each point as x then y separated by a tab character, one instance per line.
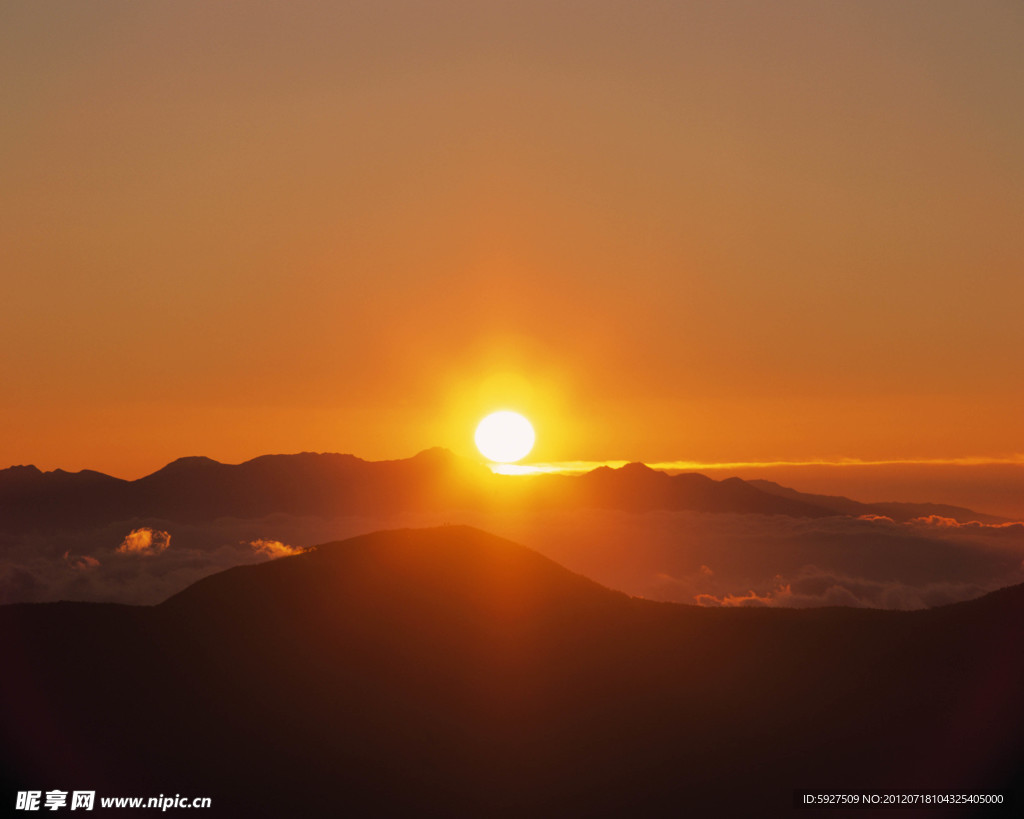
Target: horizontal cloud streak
1010	527
578	467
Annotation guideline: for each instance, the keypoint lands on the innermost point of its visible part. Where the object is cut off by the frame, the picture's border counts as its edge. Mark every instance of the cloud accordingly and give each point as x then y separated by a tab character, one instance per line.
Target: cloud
1010	527
145	541
18	584
761	560
82	562
33	566
272	548
815	588
749	600
684	557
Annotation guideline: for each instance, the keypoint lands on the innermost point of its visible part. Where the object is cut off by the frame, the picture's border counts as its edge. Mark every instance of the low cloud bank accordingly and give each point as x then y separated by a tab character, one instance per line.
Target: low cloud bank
686	557
756	560
144	562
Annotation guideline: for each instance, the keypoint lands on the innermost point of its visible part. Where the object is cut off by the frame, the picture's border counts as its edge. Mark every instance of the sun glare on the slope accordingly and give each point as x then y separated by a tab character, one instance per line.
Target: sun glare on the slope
504	437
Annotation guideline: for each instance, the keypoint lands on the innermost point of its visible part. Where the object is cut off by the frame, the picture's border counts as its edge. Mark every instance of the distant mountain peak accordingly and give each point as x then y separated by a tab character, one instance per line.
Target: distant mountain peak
304	456
20	476
636	468
192	460
435	453
184	466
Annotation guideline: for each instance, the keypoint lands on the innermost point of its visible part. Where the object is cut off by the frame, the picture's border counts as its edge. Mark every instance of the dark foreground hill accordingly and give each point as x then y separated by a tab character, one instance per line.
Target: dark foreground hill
448	672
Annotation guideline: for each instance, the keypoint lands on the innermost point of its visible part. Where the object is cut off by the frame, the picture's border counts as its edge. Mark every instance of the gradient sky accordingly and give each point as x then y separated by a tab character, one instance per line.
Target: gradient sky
729	231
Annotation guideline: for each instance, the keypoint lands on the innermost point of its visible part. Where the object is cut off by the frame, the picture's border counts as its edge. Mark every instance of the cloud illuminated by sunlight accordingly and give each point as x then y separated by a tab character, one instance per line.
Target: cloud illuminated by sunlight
81	563
952	523
580	467
145	541
273	548
559	468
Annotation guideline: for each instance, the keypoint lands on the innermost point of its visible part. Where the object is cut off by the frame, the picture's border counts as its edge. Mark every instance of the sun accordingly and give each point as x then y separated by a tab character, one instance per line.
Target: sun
504	437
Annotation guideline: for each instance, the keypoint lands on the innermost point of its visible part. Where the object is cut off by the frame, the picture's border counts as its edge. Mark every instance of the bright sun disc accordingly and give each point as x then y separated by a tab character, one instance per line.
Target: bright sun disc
504	437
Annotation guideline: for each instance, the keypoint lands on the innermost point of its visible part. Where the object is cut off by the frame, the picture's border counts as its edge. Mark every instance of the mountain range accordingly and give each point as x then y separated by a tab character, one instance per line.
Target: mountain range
201	489
449	672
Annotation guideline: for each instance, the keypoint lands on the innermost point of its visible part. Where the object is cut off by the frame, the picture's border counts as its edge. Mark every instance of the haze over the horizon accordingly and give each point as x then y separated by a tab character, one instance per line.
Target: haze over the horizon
730	232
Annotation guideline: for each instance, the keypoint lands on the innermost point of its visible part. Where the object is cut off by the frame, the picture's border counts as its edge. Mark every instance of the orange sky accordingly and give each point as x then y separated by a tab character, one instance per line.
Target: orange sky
664	231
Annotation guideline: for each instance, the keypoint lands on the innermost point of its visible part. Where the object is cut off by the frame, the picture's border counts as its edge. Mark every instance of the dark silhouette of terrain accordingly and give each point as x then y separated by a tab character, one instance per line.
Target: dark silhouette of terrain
201	489
899	512
449	672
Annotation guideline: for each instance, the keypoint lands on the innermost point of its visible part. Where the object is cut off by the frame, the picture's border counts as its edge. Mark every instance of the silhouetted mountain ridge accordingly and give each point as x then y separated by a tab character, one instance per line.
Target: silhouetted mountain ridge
898	511
197	488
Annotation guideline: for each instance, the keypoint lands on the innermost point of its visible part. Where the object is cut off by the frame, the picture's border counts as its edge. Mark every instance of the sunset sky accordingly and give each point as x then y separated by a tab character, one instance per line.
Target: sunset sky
730	231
